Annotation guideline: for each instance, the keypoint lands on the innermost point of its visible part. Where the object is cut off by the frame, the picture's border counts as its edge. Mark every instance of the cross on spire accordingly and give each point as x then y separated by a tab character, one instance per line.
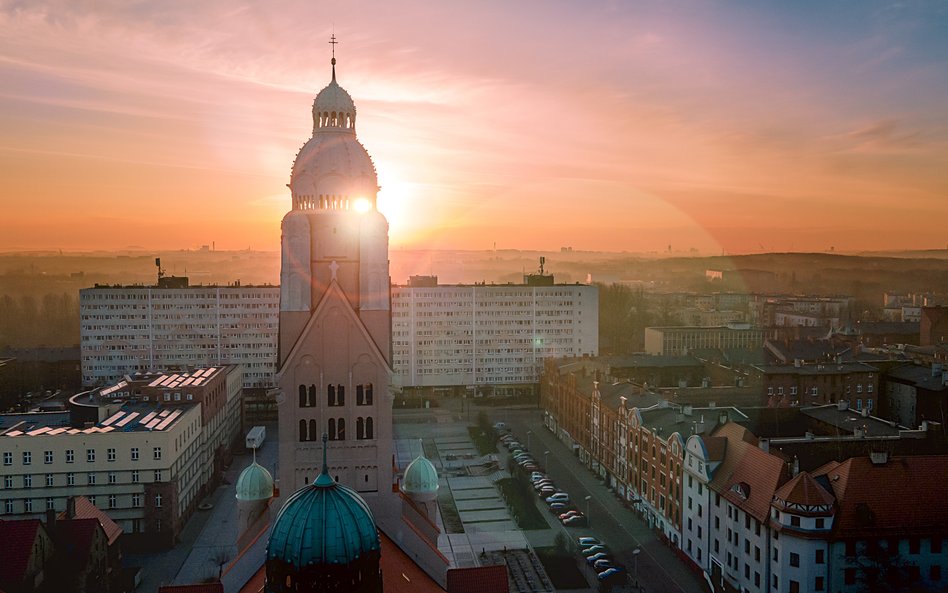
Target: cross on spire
333	42
325	446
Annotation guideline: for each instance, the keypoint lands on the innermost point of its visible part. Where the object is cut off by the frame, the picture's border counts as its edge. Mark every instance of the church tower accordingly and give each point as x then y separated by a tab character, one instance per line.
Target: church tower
335	313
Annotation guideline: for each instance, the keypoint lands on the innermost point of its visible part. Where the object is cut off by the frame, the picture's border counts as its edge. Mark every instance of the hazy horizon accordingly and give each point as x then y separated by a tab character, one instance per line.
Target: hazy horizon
720	127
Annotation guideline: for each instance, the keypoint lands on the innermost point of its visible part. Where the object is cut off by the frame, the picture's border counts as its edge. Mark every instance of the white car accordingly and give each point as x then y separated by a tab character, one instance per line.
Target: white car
558	497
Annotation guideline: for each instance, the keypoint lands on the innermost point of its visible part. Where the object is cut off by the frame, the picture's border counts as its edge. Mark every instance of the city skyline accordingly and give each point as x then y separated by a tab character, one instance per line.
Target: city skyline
616	127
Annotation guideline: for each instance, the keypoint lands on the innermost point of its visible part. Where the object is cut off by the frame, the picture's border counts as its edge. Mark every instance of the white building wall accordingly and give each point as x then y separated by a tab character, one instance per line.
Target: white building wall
138	328
484	335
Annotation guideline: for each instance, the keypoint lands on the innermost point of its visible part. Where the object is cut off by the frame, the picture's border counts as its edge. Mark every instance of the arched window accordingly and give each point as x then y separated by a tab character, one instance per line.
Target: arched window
340	395
341	429
311	400
368	428
360	395
368	394
302	396
312	430
332	429
360	428
331	395
303	434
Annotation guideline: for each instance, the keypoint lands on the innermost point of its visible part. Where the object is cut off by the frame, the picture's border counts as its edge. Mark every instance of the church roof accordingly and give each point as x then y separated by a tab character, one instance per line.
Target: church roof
323	523
254	483
421	477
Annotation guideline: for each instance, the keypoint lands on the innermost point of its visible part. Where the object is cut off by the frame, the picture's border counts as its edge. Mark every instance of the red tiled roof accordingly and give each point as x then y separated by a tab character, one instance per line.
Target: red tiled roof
904	496
18	538
195	588
748	477
715	447
86	510
479	579
804	490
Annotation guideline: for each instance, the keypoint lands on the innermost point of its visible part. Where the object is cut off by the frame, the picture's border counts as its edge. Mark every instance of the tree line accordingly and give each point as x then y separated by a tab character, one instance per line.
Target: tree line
29	321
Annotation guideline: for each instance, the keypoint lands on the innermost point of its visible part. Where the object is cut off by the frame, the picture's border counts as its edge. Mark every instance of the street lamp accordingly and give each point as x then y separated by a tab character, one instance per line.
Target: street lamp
529	432
546	461
587	499
635	564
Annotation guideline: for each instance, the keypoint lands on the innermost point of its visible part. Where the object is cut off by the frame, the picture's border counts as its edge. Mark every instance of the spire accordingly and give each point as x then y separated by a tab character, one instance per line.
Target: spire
324	480
333	42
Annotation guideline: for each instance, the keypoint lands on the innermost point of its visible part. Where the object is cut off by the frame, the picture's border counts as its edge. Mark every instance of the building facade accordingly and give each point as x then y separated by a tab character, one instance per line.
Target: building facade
144	452
679	341
129	329
489	335
816	384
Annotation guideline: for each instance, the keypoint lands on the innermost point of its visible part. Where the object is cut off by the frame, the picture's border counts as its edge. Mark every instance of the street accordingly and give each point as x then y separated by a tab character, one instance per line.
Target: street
659	569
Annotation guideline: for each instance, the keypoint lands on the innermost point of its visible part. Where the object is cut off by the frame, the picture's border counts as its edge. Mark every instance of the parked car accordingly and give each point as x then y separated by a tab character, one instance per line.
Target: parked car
587	541
608	574
603	564
535	476
558	497
575	521
570	513
545	482
558	507
498	426
597	556
530	467
587	552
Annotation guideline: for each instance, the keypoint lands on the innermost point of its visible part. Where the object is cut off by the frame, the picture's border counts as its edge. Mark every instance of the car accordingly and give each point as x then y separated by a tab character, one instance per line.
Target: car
593	550
536	476
558	497
545	482
575	521
570	513
587	541
603	564
507	438
514	446
500	426
558	507
609	573
530	467
597	556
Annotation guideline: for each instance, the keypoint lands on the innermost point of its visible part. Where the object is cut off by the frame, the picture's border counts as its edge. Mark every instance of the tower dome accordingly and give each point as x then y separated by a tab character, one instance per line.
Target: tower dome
324	538
421	479
255	483
333	170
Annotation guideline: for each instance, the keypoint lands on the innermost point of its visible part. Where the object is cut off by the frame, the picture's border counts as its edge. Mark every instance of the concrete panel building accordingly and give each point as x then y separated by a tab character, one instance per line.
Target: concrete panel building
681	340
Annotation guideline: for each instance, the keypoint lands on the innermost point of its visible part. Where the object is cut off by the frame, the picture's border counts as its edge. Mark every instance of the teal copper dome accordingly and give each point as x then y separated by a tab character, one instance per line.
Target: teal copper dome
421	477
255	483
323	523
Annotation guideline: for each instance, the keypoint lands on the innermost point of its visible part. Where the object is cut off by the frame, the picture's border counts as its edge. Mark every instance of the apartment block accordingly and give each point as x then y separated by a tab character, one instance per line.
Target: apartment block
129	329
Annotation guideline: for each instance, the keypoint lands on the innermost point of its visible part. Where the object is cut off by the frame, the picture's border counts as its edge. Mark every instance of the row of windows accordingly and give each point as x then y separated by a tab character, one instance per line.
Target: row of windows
49	456
70	479
336	429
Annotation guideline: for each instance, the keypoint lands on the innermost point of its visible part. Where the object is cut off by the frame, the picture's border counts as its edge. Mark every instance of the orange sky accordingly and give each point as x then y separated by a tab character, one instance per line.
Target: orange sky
610	126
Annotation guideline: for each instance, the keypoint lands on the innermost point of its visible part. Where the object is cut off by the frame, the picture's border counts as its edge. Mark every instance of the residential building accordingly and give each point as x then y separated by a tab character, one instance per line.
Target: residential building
129	329
144	450
491	337
915	393
934	326
27	556
680	340
811	384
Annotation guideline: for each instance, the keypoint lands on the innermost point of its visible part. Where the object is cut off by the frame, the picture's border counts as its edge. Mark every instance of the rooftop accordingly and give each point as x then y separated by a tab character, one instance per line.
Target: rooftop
132	417
920	376
850	420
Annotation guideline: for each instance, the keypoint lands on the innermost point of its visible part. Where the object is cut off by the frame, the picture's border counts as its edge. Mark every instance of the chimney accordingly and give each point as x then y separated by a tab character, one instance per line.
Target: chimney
795	466
50	520
842	405
864	412
722	417
764	445
686	409
71	507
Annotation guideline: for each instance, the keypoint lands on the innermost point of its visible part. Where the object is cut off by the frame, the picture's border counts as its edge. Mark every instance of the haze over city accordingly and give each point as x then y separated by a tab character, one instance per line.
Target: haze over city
620	126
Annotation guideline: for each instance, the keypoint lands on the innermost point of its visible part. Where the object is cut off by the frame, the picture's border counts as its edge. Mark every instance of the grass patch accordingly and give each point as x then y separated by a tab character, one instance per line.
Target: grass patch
449	512
561	568
521	503
484	440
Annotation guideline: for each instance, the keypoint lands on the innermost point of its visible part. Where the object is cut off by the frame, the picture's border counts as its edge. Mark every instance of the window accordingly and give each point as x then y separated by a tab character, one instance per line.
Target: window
820	523
91	498
70	455
757	579
90	455
112	477
819	584
936	545
110	454
157	475
135	476
820	557
915	545
851	547
28	481
28	506
794	587
757	553
49	480
90	479
794	520
136	500
27	457
157	453
849	576
158	501
134	453
934	574
112	501
8	506
7	458
794	559
158	525
70	479
8	482
775	584
47	457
